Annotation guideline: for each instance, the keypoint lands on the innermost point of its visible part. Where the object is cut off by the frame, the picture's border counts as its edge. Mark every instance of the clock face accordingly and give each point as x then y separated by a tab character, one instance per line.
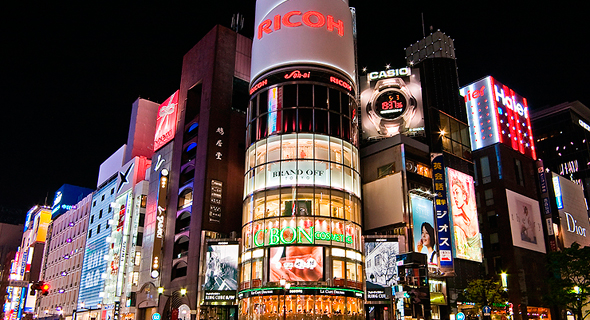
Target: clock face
391	104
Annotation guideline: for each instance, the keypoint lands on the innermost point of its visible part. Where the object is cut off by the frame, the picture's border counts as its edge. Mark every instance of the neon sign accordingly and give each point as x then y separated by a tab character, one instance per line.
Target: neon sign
310	18
290	235
402	72
497	114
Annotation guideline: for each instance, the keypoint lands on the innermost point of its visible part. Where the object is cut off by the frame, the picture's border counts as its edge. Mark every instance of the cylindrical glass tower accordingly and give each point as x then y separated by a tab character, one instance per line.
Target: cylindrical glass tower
301	239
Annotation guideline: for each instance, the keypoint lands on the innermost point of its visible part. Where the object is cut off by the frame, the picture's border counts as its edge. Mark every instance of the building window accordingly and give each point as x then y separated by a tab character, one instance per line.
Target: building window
92	219
455	136
494	241
518	173
89	233
98	229
143	200
94	203
112	191
385	170
102	198
493	219
139	241
489	195
100	214
486	176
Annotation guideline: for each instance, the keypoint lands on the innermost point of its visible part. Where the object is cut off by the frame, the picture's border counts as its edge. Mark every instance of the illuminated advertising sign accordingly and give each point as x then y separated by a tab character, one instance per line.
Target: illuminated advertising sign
525	222
467	240
221	272
497	114
391	103
573	213
166	121
44	219
381	267
303	32
442	213
160	224
296	263
424	228
296	74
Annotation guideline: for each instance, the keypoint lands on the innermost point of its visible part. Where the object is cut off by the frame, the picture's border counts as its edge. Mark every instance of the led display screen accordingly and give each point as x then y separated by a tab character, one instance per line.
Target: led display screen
573	214
303	32
467	240
391	103
525	222
296	263
424	228
166	121
221	275
497	114
381	267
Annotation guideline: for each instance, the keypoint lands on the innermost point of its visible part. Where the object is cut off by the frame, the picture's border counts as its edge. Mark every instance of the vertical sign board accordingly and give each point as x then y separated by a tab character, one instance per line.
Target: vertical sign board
215	201
166	121
546	206
160	224
442	213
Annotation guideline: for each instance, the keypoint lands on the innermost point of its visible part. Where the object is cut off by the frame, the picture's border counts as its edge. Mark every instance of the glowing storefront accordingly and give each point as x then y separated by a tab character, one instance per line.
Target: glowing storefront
301	239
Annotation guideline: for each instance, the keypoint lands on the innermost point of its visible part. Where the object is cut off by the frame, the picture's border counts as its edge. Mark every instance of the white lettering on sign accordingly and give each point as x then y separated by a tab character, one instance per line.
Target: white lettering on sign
509	102
572	227
160	223
390	73
293	19
584	125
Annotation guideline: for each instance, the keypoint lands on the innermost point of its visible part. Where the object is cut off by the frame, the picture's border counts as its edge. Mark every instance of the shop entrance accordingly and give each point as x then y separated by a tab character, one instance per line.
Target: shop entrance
219	312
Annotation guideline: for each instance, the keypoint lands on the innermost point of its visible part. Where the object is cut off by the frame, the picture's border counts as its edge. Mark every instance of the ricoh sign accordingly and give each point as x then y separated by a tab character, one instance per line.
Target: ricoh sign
303	32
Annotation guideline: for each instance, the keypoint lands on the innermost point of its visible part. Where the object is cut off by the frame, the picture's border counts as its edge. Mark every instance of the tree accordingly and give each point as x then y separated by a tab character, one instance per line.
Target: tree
569	280
485	292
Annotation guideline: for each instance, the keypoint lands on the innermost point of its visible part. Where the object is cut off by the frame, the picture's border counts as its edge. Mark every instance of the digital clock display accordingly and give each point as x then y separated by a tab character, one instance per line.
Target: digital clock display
391	104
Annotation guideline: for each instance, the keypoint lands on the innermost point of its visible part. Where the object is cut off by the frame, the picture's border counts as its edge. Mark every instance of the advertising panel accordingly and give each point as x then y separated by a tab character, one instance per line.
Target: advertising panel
573	214
467	240
296	263
391	103
44	219
381	267
166	121
442	213
423	222
498	114
303	32
525	222
384	210
221	275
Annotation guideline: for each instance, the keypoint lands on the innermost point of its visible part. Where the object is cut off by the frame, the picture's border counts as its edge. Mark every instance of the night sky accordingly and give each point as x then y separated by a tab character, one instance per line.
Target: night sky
70	73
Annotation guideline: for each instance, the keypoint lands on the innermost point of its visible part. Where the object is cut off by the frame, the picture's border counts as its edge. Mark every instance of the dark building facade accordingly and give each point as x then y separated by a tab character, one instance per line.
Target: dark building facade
196	177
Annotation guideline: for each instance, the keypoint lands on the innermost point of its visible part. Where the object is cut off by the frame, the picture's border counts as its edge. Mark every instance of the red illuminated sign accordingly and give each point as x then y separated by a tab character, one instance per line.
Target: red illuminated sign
293	19
166	121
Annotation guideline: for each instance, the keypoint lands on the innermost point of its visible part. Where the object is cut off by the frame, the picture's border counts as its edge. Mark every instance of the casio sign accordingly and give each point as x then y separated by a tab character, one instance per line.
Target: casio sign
390	73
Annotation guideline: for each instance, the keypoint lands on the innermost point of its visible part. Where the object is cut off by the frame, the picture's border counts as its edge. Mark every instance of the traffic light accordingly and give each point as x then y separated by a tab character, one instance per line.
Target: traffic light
45	288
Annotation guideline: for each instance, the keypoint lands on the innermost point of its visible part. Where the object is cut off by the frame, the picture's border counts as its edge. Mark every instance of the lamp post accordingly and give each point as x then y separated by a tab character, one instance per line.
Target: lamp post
286	285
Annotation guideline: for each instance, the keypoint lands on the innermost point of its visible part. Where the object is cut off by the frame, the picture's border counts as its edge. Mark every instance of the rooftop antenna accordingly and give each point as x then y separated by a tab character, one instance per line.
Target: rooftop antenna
423	32
237	22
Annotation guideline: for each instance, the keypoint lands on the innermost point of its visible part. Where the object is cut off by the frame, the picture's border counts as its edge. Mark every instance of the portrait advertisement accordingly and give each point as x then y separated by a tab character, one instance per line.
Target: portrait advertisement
296	263
221	267
424	228
525	222
465	224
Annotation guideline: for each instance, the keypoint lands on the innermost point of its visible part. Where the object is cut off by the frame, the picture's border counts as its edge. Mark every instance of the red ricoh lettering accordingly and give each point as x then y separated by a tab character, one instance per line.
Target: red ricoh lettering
258	86
341	83
294	19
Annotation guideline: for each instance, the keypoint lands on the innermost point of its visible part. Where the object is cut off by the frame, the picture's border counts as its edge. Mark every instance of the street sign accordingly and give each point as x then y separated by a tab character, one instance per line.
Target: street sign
487	311
460	316
156	316
18	283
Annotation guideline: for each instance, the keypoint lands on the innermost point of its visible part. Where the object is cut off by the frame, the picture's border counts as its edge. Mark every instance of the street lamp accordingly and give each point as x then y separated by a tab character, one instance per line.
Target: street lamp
286	285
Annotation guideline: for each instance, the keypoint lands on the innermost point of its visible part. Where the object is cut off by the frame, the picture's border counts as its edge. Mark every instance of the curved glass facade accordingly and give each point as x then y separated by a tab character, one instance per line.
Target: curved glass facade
301	254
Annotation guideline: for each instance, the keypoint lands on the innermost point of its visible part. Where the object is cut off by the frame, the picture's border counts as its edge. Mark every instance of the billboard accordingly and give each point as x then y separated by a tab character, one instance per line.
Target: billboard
300	32
384	199
466	237
572	211
525	222
166	121
296	263
391	103
424	228
445	255
221	271
381	267
497	114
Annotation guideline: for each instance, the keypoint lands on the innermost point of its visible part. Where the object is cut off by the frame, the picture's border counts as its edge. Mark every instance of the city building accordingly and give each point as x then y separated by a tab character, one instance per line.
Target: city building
507	179
10	239
27	264
62	261
302	250
196	179
562	134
